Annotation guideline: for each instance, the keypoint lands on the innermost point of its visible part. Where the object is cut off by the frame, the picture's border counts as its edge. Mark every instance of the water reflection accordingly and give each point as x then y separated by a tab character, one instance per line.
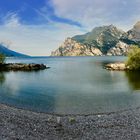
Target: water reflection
2	78
3	74
134	79
73	85
27	90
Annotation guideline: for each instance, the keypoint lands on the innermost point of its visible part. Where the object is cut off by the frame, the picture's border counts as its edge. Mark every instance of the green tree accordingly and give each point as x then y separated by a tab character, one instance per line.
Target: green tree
2	58
133	61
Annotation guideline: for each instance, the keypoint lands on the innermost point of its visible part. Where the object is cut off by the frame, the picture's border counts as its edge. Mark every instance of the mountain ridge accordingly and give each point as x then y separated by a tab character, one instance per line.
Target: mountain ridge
10	53
104	40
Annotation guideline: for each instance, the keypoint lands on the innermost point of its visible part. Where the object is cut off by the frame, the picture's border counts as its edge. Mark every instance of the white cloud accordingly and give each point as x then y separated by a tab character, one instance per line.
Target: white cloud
11	20
93	13
36	40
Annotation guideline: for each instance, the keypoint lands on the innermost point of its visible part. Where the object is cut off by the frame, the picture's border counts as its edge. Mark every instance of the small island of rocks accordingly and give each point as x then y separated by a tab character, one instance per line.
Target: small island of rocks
118	66
22	67
131	64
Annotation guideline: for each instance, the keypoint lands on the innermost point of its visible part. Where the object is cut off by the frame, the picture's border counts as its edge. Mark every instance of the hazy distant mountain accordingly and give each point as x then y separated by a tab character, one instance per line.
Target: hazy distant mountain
9	52
105	40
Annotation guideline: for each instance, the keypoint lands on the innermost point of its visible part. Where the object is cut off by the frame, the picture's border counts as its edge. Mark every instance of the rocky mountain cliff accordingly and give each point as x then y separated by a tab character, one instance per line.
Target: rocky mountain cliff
71	47
105	40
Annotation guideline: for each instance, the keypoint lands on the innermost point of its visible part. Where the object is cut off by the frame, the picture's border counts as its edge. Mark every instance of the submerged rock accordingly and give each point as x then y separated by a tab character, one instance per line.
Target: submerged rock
22	67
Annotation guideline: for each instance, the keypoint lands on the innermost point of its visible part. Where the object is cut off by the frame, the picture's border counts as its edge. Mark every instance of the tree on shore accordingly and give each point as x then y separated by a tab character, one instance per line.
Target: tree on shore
133	61
2	58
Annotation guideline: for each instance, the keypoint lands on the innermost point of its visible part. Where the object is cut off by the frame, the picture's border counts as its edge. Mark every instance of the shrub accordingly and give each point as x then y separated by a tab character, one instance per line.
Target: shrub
2	58
133	61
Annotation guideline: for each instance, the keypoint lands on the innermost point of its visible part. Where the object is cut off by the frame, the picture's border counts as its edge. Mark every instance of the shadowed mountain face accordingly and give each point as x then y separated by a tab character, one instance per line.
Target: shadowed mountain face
105	40
9	52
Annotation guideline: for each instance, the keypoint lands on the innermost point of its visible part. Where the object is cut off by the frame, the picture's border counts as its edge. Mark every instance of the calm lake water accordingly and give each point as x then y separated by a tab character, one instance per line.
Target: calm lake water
73	85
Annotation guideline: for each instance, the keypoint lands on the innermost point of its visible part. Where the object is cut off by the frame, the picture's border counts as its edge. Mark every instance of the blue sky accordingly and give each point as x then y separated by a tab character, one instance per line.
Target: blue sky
36	27
33	12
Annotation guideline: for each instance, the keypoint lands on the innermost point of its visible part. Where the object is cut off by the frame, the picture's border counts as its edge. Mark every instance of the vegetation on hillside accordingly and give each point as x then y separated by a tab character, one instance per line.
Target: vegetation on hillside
102	37
133	61
2	58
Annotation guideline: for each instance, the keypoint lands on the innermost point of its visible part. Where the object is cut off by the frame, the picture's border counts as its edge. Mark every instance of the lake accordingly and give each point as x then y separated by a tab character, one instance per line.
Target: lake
73	85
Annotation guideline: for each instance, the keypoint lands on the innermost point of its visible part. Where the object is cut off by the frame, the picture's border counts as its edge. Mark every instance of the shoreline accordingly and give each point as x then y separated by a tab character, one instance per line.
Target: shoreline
23	124
67	115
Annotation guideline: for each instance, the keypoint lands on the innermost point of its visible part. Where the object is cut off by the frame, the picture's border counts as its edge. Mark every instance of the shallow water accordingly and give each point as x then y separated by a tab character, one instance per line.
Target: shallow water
73	85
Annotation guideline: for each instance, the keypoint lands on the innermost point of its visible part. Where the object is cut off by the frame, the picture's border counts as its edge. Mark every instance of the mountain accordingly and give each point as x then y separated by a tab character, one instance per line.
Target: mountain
101	37
133	35
105	40
71	47
9	52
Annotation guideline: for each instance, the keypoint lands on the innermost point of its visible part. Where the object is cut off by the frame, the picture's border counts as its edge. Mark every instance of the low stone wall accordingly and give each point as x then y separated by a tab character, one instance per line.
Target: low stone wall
22	67
117	66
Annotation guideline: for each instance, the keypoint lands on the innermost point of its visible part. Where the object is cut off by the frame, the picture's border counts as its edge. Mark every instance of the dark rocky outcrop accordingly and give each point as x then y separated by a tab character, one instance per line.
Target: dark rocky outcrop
22	67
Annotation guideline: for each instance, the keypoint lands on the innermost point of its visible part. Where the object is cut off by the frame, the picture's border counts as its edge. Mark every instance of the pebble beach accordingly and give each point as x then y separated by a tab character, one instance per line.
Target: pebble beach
19	124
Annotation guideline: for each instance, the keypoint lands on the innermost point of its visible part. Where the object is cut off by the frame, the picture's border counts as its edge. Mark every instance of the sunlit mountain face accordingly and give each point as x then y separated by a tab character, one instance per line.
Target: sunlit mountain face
103	40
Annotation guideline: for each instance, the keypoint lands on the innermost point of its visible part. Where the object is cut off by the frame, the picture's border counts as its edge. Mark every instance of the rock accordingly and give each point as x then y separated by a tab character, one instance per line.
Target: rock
22	67
121	48
58	119
71	47
116	66
72	120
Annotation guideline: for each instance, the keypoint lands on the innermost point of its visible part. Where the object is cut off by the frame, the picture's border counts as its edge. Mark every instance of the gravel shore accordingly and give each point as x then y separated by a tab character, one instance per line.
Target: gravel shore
18	124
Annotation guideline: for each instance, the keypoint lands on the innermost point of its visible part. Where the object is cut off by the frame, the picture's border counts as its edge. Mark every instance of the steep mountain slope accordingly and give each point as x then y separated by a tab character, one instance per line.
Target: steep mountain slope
70	47
97	42
120	48
9	52
105	40
102	38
